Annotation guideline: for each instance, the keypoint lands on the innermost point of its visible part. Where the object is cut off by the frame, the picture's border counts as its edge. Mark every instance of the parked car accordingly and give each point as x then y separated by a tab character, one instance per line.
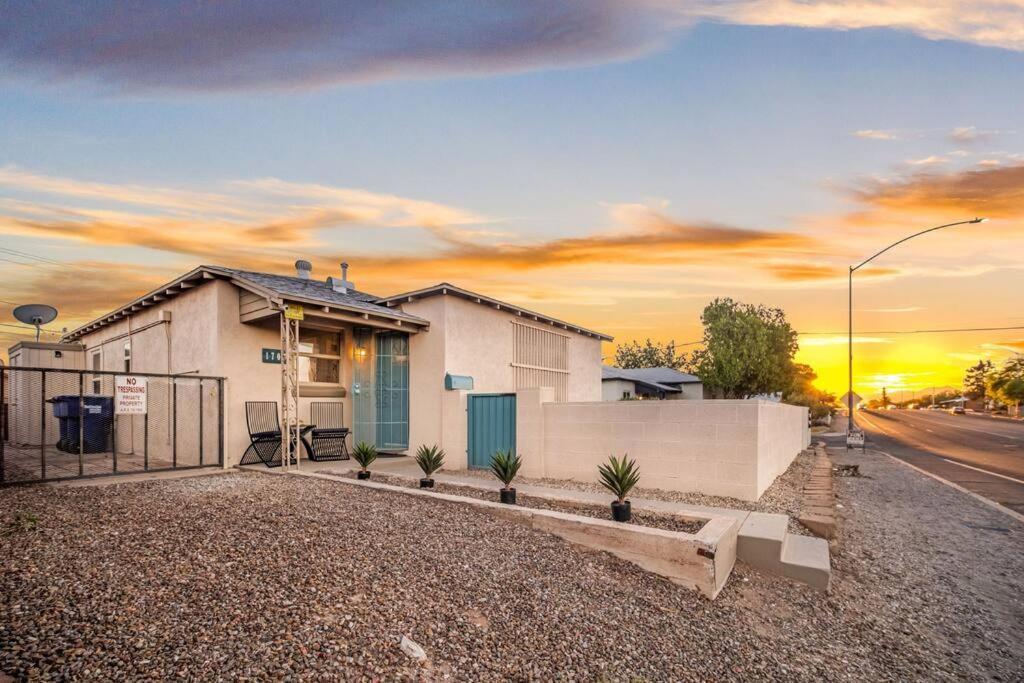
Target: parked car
957	410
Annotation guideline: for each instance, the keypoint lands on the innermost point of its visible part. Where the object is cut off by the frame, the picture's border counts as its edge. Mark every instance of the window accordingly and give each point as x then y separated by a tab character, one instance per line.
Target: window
127	357
319	357
540	358
97	380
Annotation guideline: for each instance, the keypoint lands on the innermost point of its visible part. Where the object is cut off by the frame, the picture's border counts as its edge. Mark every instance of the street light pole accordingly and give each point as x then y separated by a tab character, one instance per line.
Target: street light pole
851	427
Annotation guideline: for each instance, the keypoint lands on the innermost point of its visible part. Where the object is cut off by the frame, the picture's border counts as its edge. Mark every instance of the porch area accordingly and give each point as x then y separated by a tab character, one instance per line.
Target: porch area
330	380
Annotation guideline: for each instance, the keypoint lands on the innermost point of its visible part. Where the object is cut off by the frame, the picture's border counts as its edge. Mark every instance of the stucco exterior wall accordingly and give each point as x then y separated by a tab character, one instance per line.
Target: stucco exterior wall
614	389
23	391
725	448
186	344
467	338
693	391
426	378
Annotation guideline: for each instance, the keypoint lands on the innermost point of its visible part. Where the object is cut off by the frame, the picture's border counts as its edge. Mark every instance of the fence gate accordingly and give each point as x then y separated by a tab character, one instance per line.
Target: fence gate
68	424
492	426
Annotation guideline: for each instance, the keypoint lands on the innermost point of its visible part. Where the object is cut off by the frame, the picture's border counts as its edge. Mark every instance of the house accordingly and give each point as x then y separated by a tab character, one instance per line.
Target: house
162	382
402	367
619	384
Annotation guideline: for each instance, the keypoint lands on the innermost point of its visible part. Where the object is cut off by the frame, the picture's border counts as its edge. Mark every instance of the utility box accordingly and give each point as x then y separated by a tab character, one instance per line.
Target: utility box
457	382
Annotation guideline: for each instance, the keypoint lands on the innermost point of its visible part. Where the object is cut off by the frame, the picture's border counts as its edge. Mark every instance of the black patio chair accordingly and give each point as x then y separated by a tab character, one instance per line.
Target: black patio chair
329	435
264	434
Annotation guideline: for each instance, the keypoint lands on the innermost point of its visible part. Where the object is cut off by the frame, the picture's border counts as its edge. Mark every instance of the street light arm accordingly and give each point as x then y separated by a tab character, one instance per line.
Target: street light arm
851	426
910	237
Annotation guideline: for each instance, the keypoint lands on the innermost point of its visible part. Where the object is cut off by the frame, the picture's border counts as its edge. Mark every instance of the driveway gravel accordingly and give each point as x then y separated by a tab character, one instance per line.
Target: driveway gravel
245	575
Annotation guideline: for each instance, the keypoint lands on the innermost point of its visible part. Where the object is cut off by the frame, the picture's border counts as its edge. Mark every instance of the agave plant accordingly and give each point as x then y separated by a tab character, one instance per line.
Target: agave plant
619	476
430	459
505	466
364	454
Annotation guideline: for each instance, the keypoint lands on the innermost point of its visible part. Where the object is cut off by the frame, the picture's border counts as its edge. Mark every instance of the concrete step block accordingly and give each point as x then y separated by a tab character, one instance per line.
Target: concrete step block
821	525
806	559
760	539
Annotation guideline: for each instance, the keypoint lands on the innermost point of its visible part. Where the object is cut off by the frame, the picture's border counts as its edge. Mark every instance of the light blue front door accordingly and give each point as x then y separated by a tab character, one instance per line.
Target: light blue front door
492	426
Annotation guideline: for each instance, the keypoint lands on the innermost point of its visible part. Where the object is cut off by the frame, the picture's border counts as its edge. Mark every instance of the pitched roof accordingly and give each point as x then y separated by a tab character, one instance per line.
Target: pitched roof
667	376
316	290
281	287
446	288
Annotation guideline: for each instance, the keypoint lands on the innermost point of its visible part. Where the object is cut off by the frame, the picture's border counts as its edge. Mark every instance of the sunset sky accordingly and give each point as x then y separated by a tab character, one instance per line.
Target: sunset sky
614	164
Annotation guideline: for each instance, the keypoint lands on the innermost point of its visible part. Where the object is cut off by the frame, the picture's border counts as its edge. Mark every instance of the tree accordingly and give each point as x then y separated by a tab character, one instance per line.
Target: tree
747	350
975	379
885	398
650	354
802	392
1007	383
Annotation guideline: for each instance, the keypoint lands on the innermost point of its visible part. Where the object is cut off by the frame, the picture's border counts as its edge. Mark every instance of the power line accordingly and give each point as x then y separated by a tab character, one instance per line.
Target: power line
20	263
937	331
29	327
25	254
955	329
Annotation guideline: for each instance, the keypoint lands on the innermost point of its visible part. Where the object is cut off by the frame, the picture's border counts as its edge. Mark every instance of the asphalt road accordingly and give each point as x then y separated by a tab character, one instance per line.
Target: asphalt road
982	454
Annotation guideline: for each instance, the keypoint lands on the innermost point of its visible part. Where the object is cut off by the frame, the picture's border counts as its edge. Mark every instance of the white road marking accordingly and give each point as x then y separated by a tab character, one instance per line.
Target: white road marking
972	429
978	469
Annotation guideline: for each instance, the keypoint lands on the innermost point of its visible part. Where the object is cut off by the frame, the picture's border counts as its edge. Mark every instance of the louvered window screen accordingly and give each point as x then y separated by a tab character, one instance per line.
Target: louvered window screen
540	358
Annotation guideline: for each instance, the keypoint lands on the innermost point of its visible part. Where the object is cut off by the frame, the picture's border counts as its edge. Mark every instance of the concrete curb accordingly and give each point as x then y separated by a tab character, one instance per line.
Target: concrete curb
701	561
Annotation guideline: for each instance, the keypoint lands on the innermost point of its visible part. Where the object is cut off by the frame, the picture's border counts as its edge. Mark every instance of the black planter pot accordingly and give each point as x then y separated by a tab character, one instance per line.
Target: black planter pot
508	496
363	474
621	512
426	483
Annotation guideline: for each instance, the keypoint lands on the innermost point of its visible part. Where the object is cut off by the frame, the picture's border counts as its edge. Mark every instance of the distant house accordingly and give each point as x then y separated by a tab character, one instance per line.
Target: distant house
649	383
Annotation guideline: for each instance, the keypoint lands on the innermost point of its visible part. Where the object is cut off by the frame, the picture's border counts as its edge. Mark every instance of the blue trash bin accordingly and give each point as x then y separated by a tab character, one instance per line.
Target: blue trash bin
98	418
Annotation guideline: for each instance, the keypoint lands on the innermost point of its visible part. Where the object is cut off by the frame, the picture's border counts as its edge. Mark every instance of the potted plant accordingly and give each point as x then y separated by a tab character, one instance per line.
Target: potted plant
364	454
505	466
430	459
619	477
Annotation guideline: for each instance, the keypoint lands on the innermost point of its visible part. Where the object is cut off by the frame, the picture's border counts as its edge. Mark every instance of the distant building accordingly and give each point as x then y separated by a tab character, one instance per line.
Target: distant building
619	384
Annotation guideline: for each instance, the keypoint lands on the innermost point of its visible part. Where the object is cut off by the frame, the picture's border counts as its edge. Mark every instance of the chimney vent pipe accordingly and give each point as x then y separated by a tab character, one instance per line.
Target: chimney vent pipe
303	269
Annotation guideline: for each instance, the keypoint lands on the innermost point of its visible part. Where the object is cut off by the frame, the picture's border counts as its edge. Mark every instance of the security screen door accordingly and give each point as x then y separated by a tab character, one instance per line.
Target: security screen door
380	388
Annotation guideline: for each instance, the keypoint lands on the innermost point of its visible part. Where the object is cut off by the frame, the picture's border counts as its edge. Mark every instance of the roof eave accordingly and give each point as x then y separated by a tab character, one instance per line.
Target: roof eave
206	273
446	288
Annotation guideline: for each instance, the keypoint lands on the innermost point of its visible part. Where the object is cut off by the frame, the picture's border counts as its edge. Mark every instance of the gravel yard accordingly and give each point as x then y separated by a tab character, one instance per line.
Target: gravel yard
639	517
783	496
246	575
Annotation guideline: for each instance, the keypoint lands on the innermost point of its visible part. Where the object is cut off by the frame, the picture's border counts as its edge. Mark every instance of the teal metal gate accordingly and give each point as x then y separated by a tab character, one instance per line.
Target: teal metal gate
492	426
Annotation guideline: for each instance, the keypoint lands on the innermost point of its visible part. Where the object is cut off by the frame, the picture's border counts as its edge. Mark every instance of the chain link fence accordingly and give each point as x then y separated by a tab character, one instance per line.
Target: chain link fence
67	424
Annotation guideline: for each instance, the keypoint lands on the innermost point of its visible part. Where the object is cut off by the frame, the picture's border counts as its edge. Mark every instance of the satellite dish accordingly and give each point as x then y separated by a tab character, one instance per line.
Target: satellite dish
35	314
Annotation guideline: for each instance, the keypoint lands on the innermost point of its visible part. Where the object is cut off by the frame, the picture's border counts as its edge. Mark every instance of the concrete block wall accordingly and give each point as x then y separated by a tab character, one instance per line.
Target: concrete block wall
716	447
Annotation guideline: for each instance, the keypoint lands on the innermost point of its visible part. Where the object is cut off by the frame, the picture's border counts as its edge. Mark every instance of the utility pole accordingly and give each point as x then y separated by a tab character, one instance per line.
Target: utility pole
851	428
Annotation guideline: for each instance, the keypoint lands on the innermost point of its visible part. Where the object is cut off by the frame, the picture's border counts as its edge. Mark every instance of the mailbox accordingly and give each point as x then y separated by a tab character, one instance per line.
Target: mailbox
457	382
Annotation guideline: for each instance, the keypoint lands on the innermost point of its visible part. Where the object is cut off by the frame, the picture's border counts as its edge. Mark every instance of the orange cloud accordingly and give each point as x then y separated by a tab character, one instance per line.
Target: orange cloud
804	272
992	192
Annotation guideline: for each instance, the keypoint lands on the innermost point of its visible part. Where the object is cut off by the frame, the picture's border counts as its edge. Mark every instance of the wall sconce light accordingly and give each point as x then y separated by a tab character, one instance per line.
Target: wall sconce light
360	354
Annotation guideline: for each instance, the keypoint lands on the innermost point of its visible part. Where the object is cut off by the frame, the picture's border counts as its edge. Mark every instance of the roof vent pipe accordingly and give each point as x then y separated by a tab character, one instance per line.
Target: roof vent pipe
343	285
303	269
